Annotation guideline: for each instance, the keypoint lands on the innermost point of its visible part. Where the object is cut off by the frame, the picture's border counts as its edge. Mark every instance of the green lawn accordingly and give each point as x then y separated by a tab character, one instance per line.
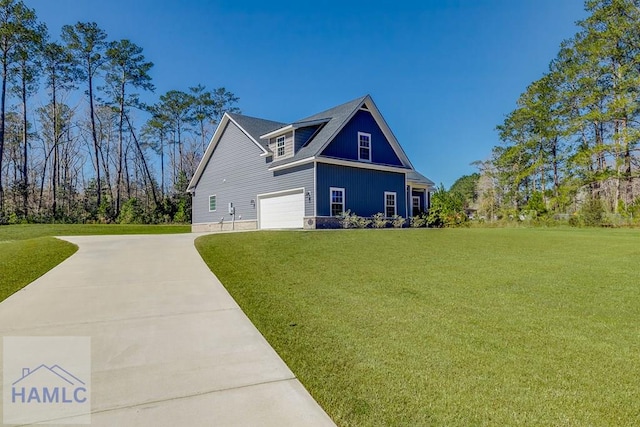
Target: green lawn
29	231
460	327
29	251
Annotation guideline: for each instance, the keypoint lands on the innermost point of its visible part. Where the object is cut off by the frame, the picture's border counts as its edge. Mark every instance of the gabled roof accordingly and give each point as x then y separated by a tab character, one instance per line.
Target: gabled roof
336	118
253	127
331	123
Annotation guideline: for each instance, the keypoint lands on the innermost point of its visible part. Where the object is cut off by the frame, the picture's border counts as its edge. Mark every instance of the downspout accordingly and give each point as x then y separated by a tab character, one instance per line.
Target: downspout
406	196
315	190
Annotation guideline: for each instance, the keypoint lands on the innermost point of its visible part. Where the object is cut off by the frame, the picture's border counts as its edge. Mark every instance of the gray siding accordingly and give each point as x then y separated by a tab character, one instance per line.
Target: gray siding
236	174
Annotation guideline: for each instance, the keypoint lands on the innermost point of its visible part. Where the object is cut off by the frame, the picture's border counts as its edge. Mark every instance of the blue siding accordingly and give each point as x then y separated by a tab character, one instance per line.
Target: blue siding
345	144
303	135
364	189
423	199
236	173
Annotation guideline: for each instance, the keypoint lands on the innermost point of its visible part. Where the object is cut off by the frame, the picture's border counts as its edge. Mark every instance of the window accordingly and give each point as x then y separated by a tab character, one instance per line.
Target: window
280	146
389	204
364	146
212	203
337	201
416	205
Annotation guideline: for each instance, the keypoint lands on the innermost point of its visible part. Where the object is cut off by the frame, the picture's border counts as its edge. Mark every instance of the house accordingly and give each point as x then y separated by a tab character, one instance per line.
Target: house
263	174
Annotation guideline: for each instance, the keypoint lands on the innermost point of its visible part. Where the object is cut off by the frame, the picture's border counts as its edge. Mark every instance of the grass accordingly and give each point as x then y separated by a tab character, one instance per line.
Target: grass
29	231
448	327
29	251
23	261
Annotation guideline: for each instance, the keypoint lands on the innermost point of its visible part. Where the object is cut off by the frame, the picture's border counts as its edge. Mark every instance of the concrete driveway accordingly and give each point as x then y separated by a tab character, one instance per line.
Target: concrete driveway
169	346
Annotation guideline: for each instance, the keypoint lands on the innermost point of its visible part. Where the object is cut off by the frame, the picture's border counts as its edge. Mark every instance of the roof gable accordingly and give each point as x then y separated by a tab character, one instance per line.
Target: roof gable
336	118
253	127
345	144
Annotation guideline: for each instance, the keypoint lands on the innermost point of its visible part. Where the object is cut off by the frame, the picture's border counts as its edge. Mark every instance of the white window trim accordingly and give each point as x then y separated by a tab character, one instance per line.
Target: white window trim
413	199
216	197
344	195
282	139
395	202
368	135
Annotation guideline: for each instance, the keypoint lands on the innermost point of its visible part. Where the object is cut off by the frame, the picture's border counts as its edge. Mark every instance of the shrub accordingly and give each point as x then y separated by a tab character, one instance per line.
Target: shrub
13	218
447	209
379	220
634	210
350	220
575	220
131	212
418	221
345	218
360	222
181	215
397	221
536	204
592	212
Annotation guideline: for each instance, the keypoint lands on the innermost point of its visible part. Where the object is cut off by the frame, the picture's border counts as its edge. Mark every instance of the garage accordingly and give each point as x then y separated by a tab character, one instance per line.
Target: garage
284	209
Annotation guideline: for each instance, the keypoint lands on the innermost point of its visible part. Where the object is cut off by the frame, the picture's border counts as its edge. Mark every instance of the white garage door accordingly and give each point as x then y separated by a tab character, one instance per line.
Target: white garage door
283	210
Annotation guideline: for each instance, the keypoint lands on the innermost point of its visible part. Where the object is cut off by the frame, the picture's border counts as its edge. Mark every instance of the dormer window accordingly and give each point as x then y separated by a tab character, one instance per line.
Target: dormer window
364	146
280	146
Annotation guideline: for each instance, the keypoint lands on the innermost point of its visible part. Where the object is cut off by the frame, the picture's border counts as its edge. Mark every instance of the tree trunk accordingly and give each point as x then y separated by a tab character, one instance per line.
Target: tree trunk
94	135
54	179
3	98
556	179
127	176
25	141
617	137
144	162
162	163
180	165
120	147
107	173
600	163
56	139
202	136
628	176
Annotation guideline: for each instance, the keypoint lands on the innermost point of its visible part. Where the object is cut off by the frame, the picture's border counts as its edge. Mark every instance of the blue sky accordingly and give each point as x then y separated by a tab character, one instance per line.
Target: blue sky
443	73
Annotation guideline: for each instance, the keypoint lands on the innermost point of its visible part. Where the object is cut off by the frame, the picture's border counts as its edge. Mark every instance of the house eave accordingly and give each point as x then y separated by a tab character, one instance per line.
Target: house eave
361	165
341	162
277	132
292	127
292	164
415	184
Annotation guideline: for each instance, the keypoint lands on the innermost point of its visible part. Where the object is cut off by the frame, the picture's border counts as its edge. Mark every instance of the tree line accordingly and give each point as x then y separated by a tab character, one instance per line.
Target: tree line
77	142
570	147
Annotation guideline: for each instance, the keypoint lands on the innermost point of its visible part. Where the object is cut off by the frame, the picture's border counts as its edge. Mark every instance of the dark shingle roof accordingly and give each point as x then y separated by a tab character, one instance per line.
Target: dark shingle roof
256	127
